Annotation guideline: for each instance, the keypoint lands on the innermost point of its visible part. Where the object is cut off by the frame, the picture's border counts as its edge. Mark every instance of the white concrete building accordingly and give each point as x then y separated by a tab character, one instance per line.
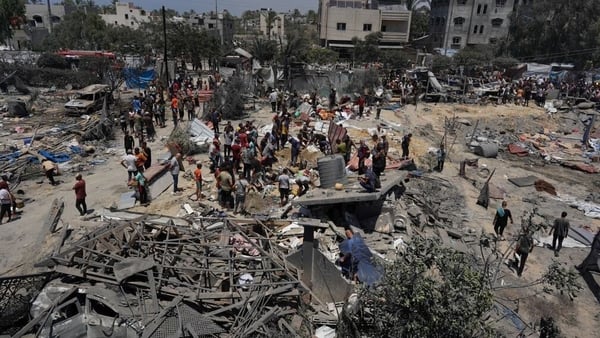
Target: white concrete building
455	24
342	20
127	15
38	23
277	26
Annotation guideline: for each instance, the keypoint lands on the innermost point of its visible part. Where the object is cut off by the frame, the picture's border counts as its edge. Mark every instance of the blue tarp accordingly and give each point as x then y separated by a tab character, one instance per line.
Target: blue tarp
10	156
138	78
56	158
362	259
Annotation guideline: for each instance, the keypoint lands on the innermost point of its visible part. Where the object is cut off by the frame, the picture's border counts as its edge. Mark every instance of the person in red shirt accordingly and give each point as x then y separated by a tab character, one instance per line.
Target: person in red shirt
80	195
236	153
243	137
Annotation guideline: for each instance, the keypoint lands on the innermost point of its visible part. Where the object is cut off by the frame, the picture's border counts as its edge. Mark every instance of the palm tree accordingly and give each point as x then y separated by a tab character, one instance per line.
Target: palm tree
270	18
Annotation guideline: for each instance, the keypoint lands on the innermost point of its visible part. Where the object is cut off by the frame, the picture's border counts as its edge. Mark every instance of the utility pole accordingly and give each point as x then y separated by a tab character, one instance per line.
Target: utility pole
49	17
164	20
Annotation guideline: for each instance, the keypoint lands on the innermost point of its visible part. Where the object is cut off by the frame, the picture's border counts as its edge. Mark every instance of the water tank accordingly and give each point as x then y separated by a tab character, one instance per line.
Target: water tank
487	150
332	170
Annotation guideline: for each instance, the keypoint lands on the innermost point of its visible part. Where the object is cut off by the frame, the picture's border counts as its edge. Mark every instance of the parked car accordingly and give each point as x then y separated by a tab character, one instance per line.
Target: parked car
89	100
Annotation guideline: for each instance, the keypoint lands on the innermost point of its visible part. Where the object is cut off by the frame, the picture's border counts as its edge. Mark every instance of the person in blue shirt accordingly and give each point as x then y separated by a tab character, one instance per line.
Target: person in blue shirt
137	104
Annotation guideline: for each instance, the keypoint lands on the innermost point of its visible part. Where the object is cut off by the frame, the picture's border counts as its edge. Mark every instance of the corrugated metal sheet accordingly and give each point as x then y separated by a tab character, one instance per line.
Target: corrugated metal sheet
200	133
335	133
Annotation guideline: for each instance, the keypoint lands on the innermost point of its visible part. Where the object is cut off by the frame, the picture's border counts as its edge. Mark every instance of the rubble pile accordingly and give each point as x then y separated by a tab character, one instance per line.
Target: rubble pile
217	275
58	144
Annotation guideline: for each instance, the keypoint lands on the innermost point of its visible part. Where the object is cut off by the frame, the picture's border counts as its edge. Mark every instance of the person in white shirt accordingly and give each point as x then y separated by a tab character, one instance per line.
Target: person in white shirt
284	187
128	161
273	100
174	169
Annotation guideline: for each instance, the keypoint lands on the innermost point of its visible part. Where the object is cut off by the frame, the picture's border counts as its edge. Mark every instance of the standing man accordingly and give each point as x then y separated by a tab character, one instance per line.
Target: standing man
240	194
405	144
225	181
295	150
140	159
524	247
148	153
198	180
80	195
273	100
215	118
441	158
175	109
228	141
378	111
49	169
174	169
128	162
501	220
363	154
559	231
140	179
284	187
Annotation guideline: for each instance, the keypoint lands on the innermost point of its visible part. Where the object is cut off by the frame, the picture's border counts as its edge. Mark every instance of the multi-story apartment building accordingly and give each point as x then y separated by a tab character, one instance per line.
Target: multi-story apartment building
277	26
455	24
37	26
220	25
127	14
342	20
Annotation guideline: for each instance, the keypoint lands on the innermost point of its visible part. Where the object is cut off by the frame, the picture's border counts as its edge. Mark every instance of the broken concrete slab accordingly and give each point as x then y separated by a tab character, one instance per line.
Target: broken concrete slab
521	182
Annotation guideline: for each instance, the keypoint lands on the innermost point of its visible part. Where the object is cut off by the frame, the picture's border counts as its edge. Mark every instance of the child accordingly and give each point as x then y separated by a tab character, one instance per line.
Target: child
198	179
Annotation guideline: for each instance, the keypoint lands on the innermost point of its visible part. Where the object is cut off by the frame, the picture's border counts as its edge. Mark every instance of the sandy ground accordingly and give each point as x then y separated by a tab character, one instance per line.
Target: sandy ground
20	249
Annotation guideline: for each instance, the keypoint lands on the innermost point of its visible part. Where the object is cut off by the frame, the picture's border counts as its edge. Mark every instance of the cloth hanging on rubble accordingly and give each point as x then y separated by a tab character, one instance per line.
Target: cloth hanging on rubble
135	78
366	269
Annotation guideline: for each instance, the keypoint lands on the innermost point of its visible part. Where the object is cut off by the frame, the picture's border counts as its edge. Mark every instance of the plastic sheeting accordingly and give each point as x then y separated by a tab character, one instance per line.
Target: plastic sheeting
367	271
135	78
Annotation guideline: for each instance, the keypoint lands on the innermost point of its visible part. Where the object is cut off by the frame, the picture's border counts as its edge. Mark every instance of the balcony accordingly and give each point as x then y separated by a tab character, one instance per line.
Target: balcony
388	37
395	16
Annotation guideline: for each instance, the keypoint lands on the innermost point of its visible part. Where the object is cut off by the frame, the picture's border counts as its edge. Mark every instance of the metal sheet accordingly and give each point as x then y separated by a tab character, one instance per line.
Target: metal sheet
160	185
127	200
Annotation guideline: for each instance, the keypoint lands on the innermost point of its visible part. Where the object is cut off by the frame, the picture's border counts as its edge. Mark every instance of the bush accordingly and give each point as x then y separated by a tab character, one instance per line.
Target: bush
49	60
430	291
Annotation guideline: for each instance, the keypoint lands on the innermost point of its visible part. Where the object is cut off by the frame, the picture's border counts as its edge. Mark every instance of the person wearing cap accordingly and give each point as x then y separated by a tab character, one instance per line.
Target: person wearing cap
80	195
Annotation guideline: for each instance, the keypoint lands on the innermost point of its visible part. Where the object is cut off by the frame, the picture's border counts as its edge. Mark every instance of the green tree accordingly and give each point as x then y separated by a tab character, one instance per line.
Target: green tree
270	19
430	291
367	50
556	31
264	51
312	17
419	24
79	30
322	56
11	17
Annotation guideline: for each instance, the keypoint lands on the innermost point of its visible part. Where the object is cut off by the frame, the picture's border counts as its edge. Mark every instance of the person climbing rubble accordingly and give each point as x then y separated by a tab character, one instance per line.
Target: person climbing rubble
50	169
